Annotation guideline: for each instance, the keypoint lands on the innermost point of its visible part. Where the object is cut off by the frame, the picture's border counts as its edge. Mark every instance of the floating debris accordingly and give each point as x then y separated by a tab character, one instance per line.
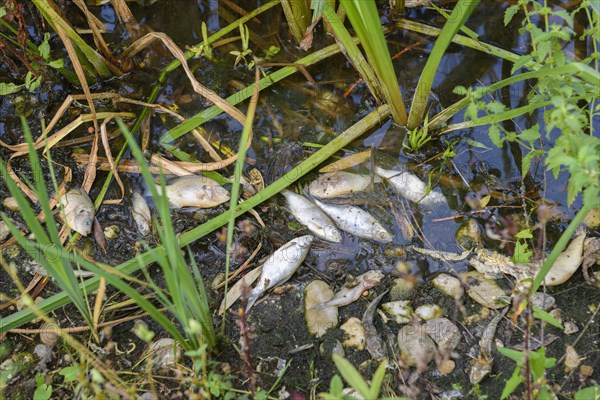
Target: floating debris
280	266
374	344
416	347
340	183
311	216
319	321
357	222
355	333
141	214
195	191
348	295
411	187
78	211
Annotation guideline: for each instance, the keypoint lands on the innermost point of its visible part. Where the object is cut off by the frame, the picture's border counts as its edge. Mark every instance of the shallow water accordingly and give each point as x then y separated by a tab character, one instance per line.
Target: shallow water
293	112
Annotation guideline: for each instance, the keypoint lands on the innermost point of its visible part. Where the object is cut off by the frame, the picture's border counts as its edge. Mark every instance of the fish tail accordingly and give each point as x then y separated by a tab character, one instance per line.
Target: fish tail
251	300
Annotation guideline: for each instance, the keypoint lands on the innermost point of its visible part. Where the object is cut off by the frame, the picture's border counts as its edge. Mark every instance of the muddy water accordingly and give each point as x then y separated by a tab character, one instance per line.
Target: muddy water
294	112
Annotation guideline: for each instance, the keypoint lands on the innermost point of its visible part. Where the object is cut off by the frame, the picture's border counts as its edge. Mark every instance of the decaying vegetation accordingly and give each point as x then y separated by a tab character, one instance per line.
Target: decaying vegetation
114	135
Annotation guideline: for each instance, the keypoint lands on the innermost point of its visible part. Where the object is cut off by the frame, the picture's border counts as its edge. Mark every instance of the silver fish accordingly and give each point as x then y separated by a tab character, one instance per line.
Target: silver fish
411	187
339	183
141	214
78	211
348	295
311	216
375	345
280	266
195	191
356	221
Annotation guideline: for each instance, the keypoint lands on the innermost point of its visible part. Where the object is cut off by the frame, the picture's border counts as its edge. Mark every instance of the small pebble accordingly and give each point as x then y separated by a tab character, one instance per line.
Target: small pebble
428	311
111	232
10	203
401	311
415	345
570	328
355	333
543	301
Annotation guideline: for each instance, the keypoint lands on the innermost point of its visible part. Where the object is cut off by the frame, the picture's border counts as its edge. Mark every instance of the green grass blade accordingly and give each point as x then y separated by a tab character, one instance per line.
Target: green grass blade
352	376
297	15
368	122
459	15
351	49
235	186
364	17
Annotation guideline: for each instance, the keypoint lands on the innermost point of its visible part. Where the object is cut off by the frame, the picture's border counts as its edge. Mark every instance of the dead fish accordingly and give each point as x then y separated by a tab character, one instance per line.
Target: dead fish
356	221
375	345
141	214
280	266
311	216
339	183
78	211
195	191
567	262
411	187
348	295
483	364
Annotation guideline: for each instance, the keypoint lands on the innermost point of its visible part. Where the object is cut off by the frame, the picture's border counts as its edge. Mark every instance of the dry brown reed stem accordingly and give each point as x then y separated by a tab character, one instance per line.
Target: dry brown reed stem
178	54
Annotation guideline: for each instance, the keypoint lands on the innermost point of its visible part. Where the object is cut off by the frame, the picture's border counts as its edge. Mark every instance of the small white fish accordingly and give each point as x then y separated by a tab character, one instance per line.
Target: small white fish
348	295
78	211
356	221
141	214
195	191
280	266
411	187
311	216
339	183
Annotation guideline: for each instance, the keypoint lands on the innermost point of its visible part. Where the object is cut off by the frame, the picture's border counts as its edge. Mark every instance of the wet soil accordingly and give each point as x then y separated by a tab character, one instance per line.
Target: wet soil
278	333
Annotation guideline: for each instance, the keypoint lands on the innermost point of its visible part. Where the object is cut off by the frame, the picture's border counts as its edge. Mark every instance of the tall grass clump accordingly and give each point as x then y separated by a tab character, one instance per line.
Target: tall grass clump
46	239
364	17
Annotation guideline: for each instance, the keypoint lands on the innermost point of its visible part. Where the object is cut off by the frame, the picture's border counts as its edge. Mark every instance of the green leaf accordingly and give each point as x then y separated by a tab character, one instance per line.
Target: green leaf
42	392
9	88
522	254
514	355
524	234
352	376
515	380
44	47
592	392
510	13
336	386
377	379
494	133
70	373
546	317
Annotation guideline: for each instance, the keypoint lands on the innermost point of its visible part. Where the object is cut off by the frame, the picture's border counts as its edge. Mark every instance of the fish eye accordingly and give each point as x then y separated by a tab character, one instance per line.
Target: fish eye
88	223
